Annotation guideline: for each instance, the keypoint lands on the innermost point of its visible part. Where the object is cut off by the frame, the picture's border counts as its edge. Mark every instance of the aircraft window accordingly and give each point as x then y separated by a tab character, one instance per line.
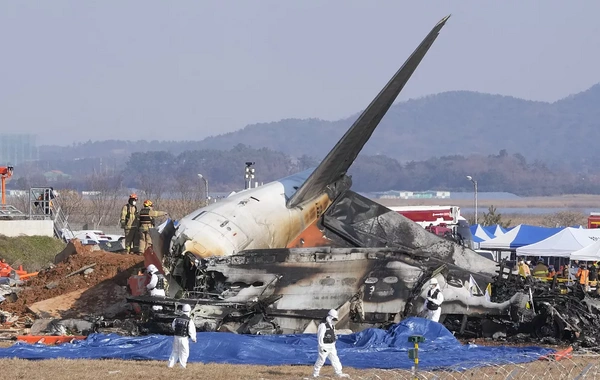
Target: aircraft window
390	280
197	216
327	281
371	280
348	281
224	223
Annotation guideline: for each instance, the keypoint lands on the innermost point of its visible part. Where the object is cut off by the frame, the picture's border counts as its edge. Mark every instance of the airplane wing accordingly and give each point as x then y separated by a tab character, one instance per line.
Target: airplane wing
339	159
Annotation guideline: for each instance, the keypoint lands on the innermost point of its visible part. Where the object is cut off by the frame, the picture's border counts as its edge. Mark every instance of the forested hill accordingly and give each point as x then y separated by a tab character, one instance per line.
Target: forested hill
450	123
460	122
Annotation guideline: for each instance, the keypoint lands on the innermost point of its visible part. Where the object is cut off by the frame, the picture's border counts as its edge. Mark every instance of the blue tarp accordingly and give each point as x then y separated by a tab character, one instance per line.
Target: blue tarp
371	348
519	236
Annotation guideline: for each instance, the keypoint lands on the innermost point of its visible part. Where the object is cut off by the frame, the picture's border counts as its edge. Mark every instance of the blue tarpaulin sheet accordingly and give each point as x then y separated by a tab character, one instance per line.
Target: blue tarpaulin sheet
371	348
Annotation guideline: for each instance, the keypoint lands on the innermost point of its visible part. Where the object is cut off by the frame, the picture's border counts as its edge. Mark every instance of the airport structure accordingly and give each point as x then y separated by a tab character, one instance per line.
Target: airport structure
17	148
395	194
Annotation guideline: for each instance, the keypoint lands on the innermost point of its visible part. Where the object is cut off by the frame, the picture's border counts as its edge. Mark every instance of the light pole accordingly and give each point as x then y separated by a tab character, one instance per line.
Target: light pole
475	186
205	186
248	175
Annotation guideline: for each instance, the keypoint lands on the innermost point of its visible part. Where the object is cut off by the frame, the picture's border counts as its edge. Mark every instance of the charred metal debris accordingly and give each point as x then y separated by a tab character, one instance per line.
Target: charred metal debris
553	313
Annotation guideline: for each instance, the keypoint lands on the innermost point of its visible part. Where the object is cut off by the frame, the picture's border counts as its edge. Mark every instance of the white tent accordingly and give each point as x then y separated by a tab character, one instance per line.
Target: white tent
562	244
589	253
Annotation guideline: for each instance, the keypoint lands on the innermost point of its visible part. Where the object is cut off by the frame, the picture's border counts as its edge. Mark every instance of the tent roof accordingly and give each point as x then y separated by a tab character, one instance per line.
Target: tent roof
480	234
519	236
495	230
589	253
561	244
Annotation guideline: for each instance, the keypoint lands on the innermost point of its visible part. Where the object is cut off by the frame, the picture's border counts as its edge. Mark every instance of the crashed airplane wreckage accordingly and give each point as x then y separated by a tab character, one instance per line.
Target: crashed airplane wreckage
273	259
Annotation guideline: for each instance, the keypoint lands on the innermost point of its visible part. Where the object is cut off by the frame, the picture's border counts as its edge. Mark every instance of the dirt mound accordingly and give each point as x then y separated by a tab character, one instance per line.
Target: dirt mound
110	267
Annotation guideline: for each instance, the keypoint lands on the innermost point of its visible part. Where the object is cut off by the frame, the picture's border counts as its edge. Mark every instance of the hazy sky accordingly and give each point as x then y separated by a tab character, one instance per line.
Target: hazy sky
173	70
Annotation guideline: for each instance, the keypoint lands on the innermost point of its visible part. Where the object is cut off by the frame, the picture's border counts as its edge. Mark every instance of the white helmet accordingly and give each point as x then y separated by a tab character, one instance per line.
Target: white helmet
333	314
186	308
433	281
152	268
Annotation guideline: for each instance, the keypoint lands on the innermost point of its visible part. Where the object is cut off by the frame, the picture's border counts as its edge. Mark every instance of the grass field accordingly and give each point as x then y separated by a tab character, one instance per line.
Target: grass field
33	252
143	370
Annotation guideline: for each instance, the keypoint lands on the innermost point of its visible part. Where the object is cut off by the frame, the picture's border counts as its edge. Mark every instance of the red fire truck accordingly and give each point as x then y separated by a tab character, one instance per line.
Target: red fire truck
594	220
444	221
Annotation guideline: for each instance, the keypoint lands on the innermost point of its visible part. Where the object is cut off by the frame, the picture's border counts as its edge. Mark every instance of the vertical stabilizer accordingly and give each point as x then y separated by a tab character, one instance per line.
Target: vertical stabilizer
339	159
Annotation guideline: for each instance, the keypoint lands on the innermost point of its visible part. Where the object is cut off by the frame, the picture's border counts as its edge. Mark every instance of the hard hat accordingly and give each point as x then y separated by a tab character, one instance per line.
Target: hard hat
333	314
433	281
147	203
152	268
133	196
186	308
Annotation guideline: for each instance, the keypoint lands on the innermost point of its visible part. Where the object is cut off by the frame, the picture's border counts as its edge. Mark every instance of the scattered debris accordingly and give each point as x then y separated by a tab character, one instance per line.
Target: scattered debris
52	285
81	270
110	268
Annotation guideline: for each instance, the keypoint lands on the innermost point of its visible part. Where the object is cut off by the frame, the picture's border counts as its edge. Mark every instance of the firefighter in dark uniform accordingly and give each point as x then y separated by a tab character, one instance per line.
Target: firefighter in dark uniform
326	338
145	222
128	213
183	328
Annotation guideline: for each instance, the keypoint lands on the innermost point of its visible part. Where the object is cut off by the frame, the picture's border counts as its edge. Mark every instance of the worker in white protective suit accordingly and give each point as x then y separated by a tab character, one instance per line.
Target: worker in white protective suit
184	328
433	301
157	285
326	338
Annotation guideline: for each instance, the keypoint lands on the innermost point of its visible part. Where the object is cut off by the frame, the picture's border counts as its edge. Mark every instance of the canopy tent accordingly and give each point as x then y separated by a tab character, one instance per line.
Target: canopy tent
561	244
495	230
589	253
480	234
519	236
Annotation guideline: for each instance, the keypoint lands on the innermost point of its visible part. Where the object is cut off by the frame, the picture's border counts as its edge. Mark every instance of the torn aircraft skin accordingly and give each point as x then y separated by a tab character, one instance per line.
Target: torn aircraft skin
292	249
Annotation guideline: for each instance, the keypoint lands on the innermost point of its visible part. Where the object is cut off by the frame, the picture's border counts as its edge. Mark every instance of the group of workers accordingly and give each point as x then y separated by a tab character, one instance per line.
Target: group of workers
586	275
136	225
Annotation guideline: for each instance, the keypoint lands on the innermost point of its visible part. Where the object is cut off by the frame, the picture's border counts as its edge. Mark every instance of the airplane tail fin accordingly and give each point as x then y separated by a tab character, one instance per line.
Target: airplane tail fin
339	159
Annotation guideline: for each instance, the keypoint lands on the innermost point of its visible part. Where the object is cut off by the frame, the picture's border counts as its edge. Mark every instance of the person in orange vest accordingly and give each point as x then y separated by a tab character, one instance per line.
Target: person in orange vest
584	276
551	271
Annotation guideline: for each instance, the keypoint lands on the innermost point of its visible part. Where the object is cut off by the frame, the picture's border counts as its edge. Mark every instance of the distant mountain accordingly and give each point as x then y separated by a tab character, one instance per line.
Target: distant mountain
457	122
565	132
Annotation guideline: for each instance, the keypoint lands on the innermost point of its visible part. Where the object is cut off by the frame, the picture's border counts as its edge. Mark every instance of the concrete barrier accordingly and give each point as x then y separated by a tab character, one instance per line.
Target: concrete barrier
14	228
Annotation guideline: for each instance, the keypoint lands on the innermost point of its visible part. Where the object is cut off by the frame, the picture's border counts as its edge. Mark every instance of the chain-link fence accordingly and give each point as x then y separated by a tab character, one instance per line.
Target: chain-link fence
569	366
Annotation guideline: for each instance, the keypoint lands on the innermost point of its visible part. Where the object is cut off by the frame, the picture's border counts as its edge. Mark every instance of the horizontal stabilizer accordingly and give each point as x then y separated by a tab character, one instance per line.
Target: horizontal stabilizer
339	159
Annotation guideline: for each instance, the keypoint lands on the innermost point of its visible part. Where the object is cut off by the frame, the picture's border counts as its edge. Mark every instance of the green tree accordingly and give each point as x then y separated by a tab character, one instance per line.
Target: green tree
492	217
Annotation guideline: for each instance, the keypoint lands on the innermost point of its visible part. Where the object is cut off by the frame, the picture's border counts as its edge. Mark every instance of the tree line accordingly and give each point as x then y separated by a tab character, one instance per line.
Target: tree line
157	173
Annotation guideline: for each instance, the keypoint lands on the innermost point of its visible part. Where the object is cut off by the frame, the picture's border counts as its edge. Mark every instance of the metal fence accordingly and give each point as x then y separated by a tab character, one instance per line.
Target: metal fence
575	366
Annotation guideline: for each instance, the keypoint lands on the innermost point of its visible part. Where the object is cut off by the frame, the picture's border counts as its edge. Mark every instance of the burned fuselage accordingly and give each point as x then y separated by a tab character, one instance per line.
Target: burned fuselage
371	264
297	247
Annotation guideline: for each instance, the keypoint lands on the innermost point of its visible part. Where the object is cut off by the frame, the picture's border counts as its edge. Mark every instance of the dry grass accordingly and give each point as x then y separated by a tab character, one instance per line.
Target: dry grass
143	370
